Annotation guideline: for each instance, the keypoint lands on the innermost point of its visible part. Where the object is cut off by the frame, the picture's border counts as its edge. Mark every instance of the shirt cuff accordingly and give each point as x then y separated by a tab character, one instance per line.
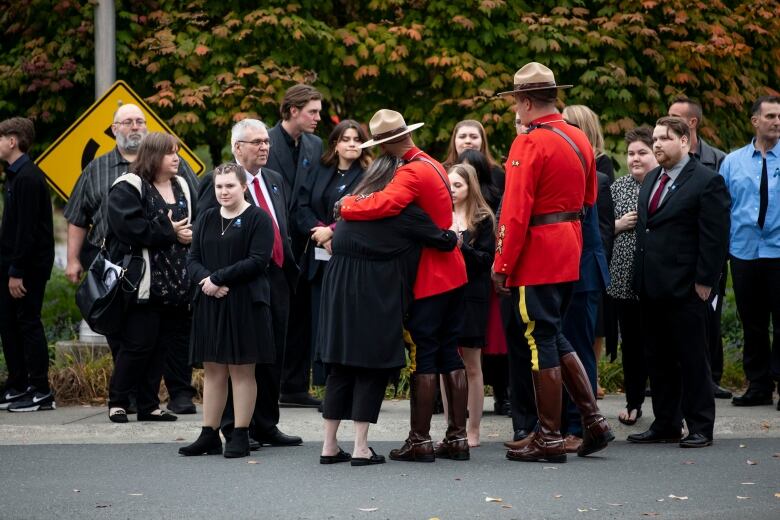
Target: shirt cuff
14	272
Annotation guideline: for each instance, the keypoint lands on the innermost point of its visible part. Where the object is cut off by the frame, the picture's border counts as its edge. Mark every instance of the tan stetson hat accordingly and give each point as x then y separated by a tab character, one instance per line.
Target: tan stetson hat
533	76
387	125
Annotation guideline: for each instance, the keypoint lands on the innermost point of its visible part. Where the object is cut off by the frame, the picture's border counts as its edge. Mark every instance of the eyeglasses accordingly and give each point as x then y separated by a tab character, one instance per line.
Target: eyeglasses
131	122
257	142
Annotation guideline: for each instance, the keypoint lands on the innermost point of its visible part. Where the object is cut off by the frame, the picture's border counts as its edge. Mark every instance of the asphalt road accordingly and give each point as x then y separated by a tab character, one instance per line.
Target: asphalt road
110	481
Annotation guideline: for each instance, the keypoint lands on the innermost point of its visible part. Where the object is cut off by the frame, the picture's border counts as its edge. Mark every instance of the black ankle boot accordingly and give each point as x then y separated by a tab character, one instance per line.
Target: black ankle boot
238	445
208	443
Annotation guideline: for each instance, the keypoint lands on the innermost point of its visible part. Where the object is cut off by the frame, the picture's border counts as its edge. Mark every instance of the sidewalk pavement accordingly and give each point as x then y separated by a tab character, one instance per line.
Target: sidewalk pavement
90	424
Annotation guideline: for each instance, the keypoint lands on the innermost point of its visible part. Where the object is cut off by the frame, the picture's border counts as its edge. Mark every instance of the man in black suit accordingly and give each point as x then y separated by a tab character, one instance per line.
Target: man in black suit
267	190
295	152
682	239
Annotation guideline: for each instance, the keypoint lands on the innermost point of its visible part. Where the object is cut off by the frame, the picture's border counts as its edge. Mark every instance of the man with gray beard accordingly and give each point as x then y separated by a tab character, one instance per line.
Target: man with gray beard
87	218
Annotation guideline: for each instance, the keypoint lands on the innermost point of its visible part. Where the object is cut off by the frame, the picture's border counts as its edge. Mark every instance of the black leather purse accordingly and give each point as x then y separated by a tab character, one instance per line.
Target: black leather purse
105	291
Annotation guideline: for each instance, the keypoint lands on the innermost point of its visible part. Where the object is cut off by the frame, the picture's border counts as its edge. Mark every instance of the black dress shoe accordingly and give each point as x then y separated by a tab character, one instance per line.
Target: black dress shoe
720	392
652	437
181	405
254	445
298	400
695	440
753	398
277	438
519	435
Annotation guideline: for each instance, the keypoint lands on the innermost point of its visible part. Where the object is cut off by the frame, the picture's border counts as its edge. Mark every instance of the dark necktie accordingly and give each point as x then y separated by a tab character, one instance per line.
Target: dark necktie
763	194
277	253
657	195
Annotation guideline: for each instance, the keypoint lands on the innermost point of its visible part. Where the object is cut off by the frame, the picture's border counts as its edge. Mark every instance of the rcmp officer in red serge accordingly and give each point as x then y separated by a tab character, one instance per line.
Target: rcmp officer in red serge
435	315
550	182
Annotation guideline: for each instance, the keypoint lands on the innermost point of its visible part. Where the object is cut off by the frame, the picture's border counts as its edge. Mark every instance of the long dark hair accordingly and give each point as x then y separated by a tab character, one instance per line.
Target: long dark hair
154	147
378	175
484	174
330	158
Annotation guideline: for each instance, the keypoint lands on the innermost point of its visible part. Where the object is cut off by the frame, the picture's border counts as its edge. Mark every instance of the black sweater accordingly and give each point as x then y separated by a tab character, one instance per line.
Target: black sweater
26	234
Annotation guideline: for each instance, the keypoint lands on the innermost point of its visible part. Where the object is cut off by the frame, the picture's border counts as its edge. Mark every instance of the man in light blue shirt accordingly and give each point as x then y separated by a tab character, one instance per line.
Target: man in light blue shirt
752	175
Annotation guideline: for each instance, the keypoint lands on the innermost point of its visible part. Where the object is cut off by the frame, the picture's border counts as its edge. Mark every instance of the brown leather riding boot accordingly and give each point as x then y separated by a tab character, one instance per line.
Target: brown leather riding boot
596	433
522	443
455	445
418	446
547	443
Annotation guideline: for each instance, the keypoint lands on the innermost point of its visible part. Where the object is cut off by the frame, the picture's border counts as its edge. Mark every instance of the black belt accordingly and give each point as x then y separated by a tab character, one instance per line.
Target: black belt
555	218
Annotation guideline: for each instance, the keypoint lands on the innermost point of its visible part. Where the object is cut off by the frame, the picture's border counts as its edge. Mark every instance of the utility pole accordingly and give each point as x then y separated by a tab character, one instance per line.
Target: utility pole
105	46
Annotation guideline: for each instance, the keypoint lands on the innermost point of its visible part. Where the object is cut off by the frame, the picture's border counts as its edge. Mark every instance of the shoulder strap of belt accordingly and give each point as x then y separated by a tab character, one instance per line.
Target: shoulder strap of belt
568	140
441	175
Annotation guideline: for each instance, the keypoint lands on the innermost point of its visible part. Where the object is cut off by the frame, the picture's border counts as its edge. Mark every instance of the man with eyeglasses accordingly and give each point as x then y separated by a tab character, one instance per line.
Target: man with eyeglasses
87	218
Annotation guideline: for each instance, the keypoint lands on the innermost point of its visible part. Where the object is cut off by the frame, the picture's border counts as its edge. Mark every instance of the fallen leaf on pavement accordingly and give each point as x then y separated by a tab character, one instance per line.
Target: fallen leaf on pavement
688	462
252	462
777	495
678	498
102	505
506	506
742	446
616	505
652	513
751	462
776	455
550	467
368	509
77	491
765	425
493	499
582	510
136	494
747	483
179	439
659	500
557	496
742	498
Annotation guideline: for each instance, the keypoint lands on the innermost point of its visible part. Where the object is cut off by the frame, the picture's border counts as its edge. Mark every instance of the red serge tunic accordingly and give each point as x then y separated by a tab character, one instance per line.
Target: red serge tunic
544	175
418	182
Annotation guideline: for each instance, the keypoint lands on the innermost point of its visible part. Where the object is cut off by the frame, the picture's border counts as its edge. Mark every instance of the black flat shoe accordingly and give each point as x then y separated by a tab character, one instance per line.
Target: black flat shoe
652	437
629	421
695	440
163	416
119	415
298	400
753	398
368	461
720	393
341	456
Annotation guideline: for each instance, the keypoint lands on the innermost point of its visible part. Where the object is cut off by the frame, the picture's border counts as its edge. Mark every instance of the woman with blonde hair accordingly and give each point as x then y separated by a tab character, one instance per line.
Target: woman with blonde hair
474	221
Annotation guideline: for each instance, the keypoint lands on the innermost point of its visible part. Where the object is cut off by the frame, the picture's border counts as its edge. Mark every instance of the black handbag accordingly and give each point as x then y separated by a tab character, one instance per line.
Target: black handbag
103	294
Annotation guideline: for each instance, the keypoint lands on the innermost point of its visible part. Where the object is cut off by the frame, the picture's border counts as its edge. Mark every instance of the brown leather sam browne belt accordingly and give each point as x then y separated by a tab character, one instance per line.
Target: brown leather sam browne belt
555	218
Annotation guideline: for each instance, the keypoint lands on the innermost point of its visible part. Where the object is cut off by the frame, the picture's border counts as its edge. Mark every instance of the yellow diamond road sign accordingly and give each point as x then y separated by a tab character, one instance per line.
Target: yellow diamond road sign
90	136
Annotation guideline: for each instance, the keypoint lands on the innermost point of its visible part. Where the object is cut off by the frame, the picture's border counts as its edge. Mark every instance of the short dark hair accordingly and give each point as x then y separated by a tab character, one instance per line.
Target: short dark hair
760	101
22	129
154	147
695	106
641	133
297	96
676	125
547	96
330	158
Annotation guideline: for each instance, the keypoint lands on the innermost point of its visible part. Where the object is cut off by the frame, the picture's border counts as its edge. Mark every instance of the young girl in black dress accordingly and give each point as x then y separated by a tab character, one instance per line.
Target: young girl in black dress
475	222
232	329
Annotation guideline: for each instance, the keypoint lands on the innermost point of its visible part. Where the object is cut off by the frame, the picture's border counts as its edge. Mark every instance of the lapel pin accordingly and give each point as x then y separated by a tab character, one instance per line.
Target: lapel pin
341	188
515	163
274	188
306	162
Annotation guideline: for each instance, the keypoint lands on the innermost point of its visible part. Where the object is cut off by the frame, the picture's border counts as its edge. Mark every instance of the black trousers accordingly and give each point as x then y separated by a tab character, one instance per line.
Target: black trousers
354	393
521	386
633	349
542	309
675	336
434	324
149	331
266	414
296	369
21	330
714	337
757	291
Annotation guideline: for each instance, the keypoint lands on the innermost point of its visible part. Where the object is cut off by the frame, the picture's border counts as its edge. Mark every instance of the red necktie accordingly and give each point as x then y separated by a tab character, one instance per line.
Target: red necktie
657	195
277	253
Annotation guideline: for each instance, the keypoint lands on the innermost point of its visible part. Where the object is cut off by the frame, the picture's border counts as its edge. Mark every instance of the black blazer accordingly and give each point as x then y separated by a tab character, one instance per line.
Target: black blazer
606	208
280	159
686	240
479	259
312	209
276	188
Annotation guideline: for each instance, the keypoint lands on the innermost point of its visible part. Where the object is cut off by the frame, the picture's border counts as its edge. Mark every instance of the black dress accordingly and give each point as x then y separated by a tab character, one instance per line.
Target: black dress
235	329
368	285
478	250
